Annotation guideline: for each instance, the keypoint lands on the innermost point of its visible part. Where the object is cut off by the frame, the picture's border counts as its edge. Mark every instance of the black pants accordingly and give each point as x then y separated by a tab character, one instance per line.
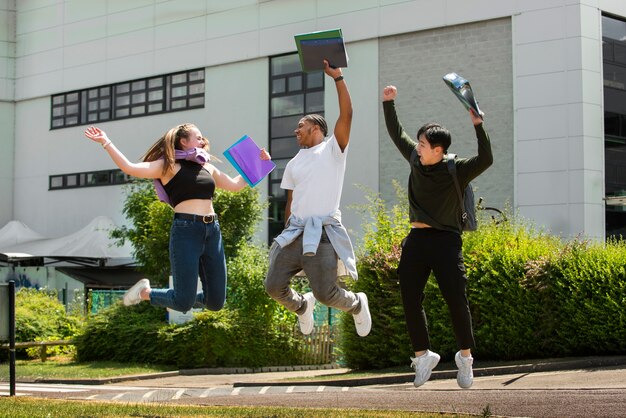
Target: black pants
425	250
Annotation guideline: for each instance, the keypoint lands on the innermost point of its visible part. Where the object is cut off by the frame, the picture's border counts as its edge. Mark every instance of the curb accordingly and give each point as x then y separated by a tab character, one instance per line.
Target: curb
540	366
186	372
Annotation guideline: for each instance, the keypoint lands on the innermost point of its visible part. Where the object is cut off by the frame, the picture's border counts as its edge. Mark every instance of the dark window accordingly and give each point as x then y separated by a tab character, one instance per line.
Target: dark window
129	99
87	179
614	72
293	94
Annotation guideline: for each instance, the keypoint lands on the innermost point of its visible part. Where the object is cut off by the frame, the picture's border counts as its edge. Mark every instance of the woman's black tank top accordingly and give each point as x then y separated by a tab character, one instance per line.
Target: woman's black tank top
192	181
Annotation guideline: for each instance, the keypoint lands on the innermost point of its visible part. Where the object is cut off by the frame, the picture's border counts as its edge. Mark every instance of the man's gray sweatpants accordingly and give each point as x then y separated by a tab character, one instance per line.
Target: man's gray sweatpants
320	269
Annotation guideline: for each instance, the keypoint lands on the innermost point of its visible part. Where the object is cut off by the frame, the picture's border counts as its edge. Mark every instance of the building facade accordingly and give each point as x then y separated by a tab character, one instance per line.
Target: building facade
549	74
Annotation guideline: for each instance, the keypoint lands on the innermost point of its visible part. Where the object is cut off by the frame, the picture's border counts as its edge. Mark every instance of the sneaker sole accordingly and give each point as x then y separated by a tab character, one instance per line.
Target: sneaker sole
435	362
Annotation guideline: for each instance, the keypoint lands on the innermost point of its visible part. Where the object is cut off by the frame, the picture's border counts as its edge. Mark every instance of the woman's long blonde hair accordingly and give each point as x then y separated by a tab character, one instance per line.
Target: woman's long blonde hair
165	146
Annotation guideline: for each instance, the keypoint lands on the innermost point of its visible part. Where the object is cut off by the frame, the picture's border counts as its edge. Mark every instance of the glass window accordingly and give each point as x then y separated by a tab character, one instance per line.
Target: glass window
196	88
278	86
315	80
155	82
179	91
56	182
179	104
155	95
315	102
122	88
196	75
139	98
614	73
88	179
196	101
282	127
95	104
287	105
71	180
295	83
179	78
285	64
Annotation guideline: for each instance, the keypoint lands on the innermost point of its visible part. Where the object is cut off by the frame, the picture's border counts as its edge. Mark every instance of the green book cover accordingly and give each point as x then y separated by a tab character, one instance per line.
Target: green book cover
315	47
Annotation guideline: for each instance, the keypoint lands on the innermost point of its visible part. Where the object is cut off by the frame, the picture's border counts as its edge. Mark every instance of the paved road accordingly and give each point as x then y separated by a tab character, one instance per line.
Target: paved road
596	392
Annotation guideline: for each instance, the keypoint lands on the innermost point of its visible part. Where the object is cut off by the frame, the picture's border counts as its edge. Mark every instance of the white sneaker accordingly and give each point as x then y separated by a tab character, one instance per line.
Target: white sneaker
133	295
363	320
465	375
306	319
424	366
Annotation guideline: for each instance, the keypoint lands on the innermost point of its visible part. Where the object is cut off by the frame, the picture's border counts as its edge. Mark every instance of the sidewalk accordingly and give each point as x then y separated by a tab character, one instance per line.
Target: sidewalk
329	375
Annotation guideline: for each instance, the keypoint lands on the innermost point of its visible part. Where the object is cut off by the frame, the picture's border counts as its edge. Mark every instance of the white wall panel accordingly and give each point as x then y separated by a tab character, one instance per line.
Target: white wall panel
131	21
541	122
543	188
538	58
285	12
40	41
542	155
85	53
191	31
219	25
39	19
131	43
76	10
85	31
177	10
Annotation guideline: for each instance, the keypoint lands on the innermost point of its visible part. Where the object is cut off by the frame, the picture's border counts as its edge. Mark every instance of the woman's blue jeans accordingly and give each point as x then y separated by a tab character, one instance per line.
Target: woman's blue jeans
196	249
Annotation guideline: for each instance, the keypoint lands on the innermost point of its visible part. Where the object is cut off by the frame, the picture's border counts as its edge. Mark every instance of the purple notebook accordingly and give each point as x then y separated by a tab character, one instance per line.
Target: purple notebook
244	155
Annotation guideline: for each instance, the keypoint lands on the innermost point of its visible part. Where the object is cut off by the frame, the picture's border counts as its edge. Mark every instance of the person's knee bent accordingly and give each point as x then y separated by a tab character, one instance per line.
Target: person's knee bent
183	304
215	305
274	290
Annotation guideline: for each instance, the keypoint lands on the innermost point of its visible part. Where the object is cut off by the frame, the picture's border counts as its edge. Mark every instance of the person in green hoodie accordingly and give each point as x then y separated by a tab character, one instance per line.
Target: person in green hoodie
434	242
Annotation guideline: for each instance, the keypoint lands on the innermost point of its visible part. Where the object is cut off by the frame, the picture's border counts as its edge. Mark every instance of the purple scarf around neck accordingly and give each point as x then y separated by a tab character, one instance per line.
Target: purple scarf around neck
197	155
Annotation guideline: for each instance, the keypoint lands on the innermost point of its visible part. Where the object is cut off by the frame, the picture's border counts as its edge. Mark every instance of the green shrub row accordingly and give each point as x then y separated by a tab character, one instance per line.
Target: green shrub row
531	295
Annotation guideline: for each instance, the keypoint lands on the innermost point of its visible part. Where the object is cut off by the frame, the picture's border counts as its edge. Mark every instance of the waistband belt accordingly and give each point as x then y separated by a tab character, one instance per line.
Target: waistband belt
207	219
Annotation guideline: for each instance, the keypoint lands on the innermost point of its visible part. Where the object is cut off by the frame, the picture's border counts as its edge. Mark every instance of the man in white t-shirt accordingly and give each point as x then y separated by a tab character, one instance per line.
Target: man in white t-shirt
314	240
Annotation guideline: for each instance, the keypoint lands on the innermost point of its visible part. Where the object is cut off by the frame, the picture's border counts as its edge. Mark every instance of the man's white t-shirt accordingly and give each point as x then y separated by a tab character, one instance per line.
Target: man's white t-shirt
315	175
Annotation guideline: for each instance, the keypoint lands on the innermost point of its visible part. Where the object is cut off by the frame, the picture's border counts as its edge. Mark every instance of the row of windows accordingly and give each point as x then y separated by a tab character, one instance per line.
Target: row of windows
148	96
87	179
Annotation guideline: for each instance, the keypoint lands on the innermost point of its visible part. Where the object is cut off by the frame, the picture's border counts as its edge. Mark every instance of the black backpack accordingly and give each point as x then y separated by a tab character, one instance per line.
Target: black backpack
468	217
467	221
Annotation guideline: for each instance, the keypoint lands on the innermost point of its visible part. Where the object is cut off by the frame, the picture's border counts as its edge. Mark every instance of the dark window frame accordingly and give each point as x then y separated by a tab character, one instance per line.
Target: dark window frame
276	210
113	177
86	113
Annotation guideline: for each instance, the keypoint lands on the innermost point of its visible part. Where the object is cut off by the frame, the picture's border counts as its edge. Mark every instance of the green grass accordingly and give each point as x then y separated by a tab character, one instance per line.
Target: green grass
64	368
31	407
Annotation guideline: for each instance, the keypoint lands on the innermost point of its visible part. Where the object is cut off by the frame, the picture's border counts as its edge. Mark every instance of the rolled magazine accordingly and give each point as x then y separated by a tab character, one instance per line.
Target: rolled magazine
463	91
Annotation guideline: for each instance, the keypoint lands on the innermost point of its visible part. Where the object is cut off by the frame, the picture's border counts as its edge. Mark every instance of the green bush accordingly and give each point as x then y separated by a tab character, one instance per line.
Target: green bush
227	338
582	295
377	261
40	316
531	295
506	316
120	333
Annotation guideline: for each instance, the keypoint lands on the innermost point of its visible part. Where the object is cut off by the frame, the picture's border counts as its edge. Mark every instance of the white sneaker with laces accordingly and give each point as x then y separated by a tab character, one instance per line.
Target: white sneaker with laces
465	375
424	366
363	320
306	320
133	295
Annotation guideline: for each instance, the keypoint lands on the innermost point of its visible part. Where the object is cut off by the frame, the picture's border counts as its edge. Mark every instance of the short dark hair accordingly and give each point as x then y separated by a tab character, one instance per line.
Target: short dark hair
436	135
319	121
